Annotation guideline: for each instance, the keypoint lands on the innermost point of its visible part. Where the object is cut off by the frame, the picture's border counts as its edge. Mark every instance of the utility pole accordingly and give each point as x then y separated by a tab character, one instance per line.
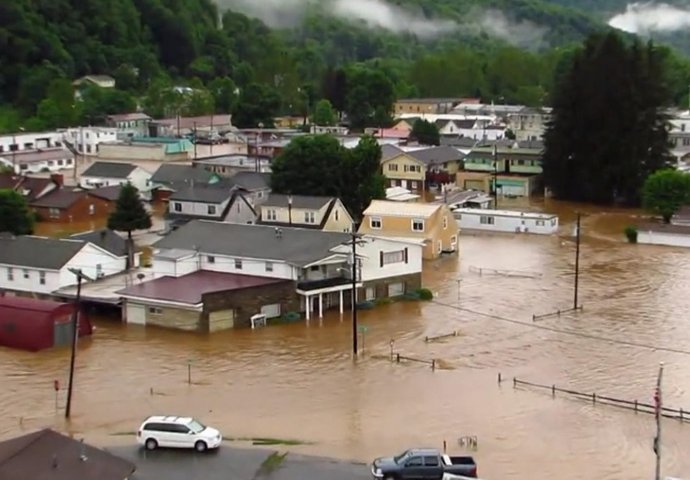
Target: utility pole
289	200
354	290
195	140
657	411
75	335
495	176
577	261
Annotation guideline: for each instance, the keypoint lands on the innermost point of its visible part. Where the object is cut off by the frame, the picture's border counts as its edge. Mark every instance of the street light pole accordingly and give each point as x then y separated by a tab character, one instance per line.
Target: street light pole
289	199
195	141
577	262
495	176
75	335
657	411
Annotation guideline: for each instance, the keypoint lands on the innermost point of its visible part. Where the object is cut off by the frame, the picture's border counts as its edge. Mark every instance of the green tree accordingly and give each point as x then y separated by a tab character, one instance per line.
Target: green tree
324	115
129	215
370	100
257	103
224	92
665	192
59	109
607	133
426	133
15	216
362	168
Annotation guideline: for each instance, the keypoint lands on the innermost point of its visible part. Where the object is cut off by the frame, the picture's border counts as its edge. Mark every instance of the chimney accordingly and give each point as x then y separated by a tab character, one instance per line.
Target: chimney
58	178
103	233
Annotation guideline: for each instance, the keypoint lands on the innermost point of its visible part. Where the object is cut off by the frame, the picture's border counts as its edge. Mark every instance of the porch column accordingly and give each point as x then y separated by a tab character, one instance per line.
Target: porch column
340	293
307	299
320	305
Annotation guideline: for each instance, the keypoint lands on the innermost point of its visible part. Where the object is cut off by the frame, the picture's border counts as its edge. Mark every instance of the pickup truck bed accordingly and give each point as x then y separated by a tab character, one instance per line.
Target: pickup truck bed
423	464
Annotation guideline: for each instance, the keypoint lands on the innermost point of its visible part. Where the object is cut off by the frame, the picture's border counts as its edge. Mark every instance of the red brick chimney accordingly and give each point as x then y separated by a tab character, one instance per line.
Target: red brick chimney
58	178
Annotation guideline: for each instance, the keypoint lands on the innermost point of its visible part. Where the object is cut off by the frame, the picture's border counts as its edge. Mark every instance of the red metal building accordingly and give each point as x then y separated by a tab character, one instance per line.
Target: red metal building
31	324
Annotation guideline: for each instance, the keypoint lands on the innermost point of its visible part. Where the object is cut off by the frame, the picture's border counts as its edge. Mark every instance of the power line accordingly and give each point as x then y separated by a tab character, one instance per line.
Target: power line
564	331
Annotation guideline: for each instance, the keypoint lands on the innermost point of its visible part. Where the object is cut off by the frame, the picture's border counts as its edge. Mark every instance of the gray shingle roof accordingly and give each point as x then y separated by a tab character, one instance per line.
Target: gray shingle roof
389	151
458	141
437	155
203	194
37	252
106	239
298	201
252	180
169	174
297	246
109	170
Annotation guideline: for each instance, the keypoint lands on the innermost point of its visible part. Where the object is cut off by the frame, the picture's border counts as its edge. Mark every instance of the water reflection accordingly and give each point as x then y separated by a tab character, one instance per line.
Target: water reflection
299	381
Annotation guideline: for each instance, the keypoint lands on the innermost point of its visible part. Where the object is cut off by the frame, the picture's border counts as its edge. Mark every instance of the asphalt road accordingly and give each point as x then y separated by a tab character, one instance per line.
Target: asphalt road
229	463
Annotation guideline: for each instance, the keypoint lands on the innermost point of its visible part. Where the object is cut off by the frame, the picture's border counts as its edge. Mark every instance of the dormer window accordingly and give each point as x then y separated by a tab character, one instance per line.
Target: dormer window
309	217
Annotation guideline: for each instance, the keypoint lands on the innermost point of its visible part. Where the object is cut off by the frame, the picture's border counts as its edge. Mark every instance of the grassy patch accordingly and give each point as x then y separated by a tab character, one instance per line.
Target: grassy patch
272	463
267	441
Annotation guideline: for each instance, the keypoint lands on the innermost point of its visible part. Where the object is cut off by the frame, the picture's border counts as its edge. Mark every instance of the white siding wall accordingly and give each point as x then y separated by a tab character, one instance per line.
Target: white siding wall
31	284
30	141
249	267
88	260
371	259
240	212
175	268
140	178
472	221
197	209
663	238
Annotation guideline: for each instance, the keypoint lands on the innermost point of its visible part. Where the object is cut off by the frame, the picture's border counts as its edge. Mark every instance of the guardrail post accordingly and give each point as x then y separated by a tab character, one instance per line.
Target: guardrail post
514	382
499	378
433	365
680	411
397	357
553	391
594	398
635	406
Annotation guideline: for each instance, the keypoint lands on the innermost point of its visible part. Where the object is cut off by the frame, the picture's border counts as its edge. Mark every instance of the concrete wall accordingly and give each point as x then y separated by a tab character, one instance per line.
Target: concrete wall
663	238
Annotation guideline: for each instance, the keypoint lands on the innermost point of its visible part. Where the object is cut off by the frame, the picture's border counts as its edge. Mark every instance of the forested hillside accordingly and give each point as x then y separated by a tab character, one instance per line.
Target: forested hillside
500	50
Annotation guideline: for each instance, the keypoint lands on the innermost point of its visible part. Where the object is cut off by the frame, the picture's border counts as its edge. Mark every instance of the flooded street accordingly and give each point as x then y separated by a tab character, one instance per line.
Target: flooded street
299	381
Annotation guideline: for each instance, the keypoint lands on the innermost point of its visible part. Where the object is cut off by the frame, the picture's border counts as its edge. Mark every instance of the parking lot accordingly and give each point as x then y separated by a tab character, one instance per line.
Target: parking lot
230	463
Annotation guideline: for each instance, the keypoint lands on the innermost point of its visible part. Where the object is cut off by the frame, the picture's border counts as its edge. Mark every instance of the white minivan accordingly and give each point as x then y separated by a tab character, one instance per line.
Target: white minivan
177	432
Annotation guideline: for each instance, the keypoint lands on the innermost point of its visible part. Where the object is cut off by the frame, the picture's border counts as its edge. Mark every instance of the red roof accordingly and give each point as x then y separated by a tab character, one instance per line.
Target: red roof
32	304
190	288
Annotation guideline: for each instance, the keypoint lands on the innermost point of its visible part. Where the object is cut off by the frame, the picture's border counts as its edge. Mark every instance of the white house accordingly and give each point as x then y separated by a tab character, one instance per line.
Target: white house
318	262
322	213
209	202
51	159
505	221
110	174
87	139
42	265
29	141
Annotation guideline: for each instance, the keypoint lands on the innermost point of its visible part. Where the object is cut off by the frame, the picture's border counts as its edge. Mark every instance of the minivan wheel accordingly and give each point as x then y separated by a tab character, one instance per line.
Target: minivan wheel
200	446
151	444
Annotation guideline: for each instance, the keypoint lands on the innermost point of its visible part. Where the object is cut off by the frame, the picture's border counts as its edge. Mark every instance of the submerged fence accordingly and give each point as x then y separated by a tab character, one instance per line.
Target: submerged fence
397	358
557	313
506	273
633	405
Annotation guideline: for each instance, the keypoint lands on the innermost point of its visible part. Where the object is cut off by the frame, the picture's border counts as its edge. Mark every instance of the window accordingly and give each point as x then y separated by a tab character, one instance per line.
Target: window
486	220
392	167
68	161
270	214
42	278
413	185
177	206
417	225
392	257
337	215
155	311
445	222
54	213
375	222
26	273
308	217
60	163
431	461
211	210
92	209
238	264
10	274
440	246
210	259
414	462
269	266
540	223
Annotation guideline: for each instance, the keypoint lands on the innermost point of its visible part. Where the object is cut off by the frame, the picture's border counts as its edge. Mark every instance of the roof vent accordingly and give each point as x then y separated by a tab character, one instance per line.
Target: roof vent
279	232
82	455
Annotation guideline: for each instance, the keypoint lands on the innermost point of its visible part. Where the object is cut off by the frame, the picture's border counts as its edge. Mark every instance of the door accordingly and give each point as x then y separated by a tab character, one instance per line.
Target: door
433	470
403	183
180	436
221	320
370	294
396	289
136	314
414	469
62	333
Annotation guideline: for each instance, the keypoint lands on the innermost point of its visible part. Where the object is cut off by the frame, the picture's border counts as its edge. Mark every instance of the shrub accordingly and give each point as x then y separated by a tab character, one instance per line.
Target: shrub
425	294
631	233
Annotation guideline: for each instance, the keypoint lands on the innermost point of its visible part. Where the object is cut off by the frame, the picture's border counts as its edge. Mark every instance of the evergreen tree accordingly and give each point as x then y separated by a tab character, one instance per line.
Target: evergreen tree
426	133
607	133
15	216
129	215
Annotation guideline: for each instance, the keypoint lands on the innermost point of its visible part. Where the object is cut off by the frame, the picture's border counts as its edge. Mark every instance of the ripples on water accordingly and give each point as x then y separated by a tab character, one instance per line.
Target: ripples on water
300	381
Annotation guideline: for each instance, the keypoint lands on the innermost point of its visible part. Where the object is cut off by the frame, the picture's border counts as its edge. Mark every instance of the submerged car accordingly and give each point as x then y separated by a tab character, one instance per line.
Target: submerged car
177	432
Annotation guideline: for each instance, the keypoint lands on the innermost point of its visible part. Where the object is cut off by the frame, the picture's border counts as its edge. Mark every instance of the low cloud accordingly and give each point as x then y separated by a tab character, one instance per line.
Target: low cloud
520	33
650	17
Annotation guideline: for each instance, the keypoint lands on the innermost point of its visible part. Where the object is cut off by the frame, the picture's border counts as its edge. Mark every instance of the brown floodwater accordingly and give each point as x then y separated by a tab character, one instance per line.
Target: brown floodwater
299	381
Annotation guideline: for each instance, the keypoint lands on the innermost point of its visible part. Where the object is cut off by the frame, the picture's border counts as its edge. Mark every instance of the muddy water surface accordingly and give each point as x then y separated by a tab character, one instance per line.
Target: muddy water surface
299	381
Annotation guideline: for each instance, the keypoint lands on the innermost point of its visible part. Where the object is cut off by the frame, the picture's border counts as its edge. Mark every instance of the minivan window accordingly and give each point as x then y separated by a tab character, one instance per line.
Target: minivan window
196	427
431	461
177	428
158	427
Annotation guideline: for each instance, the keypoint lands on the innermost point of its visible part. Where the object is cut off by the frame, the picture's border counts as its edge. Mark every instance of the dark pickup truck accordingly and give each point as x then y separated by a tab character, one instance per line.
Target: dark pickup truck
423	464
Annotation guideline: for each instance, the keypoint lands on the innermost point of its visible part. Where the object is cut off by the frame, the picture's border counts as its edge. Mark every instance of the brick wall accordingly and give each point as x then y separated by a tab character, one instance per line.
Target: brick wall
412	282
248	302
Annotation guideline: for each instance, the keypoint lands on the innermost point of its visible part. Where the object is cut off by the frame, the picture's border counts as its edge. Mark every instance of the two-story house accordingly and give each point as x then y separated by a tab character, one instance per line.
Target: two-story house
110	174
512	170
431	223
210	202
442	163
31	265
402	169
136	123
218	275
529	123
321	213
38	160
